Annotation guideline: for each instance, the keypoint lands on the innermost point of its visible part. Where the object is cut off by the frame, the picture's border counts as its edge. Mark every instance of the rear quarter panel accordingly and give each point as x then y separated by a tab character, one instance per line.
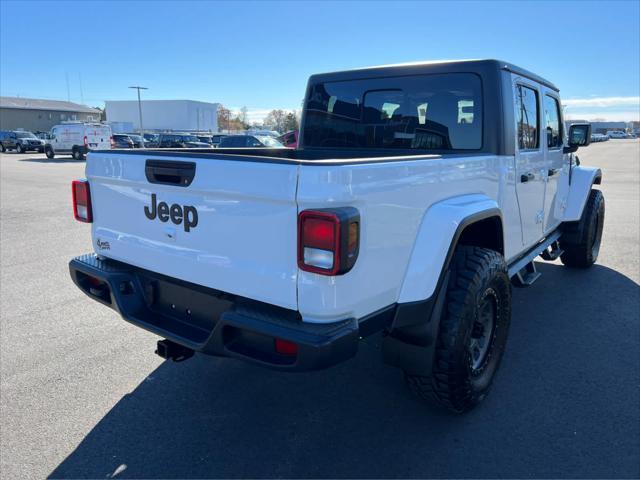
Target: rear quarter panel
393	198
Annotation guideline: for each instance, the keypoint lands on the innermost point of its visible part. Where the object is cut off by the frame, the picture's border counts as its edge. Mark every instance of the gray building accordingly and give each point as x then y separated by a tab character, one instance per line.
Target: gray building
40	115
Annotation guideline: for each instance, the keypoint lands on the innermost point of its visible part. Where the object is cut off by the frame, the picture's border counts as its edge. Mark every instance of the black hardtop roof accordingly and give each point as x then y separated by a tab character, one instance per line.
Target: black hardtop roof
440	66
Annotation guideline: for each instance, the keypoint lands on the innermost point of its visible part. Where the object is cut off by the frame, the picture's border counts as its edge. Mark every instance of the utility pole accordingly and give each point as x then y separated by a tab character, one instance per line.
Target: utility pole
140	107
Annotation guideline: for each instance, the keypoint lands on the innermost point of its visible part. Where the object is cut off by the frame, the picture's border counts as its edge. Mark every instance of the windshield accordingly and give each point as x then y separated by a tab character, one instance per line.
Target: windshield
25	135
419	112
269	141
137	138
187	138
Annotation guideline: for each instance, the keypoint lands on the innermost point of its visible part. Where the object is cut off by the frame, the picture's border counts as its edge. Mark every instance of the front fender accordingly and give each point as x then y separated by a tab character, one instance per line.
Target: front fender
437	236
582	178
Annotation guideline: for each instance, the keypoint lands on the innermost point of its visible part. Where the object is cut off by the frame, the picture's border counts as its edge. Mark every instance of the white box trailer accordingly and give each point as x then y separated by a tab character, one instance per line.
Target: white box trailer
121	127
186	115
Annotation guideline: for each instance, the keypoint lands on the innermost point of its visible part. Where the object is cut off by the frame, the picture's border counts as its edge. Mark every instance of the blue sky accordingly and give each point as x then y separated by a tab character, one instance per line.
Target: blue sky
259	54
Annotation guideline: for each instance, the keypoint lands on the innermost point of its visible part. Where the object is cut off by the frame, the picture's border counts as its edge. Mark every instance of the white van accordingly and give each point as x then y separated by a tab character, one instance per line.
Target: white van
78	139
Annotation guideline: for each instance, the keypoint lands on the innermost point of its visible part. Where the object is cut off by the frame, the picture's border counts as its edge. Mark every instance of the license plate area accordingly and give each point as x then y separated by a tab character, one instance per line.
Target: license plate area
194	310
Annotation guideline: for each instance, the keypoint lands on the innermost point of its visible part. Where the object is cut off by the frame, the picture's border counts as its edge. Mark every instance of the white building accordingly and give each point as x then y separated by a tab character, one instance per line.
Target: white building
182	115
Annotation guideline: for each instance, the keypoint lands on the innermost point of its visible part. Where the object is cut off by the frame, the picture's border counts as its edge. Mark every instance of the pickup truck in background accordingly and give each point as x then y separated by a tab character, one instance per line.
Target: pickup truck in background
418	195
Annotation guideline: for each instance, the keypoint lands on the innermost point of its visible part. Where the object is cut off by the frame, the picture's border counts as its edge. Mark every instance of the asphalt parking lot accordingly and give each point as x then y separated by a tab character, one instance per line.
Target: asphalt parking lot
83	395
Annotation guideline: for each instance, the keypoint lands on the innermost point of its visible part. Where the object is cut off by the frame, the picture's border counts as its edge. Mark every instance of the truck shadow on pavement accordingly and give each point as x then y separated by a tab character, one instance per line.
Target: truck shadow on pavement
51	160
563	404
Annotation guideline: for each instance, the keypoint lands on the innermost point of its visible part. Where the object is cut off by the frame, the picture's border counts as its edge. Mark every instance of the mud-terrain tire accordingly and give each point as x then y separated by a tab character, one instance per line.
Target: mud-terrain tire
472	333
581	240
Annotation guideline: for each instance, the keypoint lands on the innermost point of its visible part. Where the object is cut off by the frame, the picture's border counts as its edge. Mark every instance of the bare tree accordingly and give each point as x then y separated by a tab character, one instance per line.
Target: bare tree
276	120
224	117
244	115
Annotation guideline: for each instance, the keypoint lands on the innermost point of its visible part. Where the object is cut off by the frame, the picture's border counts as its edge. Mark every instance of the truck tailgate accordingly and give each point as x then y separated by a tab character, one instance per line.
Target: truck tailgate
231	226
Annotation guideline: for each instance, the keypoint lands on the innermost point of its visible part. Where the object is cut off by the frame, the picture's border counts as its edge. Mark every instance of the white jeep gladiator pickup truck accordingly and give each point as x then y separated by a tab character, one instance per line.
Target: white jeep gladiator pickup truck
418	195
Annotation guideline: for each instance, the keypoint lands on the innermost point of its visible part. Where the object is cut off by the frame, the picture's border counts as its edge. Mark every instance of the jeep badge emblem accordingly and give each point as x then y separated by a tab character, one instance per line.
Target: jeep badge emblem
187	215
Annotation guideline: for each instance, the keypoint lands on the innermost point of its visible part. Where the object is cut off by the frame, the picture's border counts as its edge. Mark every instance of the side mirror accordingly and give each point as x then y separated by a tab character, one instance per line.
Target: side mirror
579	136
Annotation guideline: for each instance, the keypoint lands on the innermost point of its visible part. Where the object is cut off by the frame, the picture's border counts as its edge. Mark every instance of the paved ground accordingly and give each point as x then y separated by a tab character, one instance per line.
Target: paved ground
83	395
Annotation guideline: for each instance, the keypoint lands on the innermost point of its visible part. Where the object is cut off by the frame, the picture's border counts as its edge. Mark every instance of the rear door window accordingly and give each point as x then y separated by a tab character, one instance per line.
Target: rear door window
552	122
527	118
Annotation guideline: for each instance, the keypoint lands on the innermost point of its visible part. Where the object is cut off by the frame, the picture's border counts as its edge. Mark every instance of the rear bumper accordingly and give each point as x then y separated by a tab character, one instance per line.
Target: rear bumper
217	323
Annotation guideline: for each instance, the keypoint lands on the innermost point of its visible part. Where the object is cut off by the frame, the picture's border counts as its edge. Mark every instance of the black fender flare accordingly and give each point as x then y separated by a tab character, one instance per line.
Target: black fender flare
409	343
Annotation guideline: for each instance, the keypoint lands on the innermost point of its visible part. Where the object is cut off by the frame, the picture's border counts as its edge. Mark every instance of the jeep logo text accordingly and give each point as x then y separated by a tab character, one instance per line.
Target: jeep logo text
178	214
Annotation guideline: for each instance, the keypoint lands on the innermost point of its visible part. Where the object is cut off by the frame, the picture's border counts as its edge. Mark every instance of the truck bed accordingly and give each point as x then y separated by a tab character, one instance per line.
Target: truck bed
288	155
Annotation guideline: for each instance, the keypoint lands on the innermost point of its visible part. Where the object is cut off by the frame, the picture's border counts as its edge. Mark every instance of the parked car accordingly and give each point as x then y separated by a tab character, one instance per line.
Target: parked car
120	140
249	141
263	132
216	139
617	134
208	139
138	140
21	141
289	139
180	140
390	217
152	140
43	135
78	139
599	137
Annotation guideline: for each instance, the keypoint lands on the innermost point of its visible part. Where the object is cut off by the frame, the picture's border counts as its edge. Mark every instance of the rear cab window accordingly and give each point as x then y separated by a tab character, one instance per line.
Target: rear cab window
435	112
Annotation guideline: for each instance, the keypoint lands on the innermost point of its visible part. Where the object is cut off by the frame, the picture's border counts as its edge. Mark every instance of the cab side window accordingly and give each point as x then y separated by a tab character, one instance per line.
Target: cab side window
552	122
527	118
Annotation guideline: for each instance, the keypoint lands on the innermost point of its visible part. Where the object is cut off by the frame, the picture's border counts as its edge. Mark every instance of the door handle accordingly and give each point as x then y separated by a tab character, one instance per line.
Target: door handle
527	177
552	172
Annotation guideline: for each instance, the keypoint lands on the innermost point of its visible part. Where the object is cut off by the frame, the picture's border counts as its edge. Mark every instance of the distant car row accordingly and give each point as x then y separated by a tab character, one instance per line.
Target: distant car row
78	139
601	137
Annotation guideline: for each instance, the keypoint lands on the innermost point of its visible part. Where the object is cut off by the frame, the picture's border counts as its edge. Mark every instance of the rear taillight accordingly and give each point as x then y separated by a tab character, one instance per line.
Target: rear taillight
113	143
328	240
86	141
81	201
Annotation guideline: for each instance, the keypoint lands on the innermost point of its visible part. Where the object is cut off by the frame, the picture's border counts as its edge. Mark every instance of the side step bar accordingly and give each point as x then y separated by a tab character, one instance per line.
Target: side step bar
523	272
526	276
552	252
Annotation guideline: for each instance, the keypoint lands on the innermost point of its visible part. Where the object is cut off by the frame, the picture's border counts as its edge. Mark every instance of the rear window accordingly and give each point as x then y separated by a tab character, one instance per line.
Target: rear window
421	112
